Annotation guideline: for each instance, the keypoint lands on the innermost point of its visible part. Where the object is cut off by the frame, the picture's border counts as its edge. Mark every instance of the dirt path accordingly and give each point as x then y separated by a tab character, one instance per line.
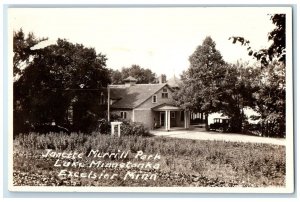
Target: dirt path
200	134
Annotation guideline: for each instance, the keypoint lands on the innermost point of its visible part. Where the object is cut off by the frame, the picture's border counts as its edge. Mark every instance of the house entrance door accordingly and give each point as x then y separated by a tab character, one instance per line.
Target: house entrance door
162	119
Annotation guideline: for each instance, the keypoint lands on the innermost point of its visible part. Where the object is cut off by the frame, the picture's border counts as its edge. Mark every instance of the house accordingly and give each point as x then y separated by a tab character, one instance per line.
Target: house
150	104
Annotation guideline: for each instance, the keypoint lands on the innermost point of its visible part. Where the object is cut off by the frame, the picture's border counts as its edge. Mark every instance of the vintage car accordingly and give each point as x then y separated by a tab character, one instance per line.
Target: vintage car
220	124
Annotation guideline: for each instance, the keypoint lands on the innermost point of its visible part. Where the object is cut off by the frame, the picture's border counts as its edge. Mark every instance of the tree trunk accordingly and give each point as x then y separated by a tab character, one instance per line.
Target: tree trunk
206	122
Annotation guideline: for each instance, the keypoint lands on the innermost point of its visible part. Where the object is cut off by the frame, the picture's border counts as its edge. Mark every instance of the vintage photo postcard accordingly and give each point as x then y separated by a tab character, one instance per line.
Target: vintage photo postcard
151	99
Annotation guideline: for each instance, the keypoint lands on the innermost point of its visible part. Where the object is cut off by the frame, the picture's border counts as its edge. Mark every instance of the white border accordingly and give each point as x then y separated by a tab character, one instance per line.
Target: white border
289	148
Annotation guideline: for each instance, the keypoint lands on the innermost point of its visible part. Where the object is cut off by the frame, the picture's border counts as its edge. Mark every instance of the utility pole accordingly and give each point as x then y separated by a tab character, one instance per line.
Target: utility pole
108	103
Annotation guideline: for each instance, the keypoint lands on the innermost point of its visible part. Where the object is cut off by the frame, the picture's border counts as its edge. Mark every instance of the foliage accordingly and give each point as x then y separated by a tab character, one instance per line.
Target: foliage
116	76
133	129
128	128
103	126
277	48
58	76
236	93
270	95
23	52
270	100
210	85
199	91
183	163
142	75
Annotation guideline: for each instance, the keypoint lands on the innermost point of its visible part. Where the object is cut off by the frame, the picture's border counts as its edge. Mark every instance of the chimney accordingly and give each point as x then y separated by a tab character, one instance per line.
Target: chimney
130	81
162	79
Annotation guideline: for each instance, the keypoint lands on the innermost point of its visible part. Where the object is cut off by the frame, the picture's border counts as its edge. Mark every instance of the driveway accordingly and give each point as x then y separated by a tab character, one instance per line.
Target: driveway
201	134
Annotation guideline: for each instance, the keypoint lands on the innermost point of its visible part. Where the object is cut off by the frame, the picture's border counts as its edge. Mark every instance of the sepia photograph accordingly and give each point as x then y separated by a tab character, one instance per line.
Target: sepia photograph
151	99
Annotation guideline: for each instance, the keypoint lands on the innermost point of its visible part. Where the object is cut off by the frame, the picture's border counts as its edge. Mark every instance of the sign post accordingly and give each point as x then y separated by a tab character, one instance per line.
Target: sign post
113	124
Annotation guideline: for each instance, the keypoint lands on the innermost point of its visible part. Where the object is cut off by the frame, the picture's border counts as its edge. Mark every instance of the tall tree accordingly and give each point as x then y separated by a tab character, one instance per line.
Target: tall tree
200	90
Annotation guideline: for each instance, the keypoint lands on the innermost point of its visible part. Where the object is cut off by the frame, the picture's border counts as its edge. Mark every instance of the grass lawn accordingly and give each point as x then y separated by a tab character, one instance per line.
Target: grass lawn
179	162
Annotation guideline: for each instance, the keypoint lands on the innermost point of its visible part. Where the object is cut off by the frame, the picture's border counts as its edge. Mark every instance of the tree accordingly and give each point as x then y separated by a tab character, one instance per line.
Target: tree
237	92
270	97
116	76
278	46
56	76
142	75
210	85
22	48
200	90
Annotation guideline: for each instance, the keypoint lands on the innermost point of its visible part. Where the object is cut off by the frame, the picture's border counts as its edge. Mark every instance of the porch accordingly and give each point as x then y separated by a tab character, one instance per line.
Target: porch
170	118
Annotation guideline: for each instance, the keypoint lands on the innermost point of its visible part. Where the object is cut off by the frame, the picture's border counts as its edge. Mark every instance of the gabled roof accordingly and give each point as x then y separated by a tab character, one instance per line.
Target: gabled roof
133	96
166	106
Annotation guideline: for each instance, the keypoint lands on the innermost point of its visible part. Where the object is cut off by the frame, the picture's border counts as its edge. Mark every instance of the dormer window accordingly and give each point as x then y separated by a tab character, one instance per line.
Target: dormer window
164	93
154	99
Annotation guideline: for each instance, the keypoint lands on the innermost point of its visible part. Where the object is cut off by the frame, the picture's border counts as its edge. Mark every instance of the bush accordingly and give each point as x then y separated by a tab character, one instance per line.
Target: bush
103	126
251	129
133	129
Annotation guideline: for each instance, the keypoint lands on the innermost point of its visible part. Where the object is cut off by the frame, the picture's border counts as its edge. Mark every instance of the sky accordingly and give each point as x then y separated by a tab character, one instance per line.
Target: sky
161	39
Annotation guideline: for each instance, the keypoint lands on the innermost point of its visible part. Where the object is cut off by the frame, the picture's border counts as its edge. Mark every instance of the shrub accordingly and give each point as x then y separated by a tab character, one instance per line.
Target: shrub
251	129
103	126
133	129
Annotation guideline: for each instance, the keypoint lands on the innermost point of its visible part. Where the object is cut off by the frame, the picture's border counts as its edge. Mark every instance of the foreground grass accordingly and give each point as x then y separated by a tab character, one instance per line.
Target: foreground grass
182	163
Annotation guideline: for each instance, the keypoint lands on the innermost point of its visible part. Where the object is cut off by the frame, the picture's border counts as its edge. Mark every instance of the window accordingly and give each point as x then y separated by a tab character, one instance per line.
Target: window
154	99
123	115
173	115
164	93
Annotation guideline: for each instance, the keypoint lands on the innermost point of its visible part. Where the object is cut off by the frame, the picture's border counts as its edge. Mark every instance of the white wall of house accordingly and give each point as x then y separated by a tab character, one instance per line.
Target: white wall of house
145	116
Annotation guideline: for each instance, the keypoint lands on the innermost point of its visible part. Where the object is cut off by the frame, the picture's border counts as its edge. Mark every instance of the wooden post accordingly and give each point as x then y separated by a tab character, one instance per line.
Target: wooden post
112	129
166	120
169	120
119	130
113	124
133	119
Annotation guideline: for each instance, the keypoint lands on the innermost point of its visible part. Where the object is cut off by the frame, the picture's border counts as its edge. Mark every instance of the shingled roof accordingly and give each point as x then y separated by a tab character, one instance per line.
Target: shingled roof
133	96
